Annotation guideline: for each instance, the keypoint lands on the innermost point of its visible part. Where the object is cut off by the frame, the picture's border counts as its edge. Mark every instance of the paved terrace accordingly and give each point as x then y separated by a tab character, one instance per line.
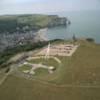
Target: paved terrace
60	50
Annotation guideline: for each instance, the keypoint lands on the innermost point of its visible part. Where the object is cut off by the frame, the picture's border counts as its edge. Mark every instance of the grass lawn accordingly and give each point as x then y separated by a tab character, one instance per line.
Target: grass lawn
24	67
48	62
82	68
41	72
1	75
21	89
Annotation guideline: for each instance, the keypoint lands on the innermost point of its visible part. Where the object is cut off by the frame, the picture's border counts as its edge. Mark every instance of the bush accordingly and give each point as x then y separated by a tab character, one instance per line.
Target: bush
90	39
9	52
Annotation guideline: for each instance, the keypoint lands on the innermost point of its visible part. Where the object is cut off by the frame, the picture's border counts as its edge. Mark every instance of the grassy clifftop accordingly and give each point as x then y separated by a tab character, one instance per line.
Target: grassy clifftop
22	23
77	79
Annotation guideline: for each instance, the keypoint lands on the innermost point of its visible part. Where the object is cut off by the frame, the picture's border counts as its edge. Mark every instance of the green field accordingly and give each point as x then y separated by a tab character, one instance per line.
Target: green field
40	73
48	62
24	67
78	78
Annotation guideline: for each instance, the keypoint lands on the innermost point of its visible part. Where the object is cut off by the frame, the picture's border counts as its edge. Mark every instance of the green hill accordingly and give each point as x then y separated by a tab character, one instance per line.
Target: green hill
22	23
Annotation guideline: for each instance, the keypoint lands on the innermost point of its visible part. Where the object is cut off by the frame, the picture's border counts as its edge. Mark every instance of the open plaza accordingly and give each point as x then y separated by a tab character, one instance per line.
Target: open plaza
59	50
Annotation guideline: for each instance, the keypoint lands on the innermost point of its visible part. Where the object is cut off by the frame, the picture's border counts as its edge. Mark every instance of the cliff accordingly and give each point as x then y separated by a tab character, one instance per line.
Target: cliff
23	23
57	21
18	30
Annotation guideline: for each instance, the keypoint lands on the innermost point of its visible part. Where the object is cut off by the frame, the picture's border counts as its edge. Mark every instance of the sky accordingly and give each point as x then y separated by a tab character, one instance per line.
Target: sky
46	6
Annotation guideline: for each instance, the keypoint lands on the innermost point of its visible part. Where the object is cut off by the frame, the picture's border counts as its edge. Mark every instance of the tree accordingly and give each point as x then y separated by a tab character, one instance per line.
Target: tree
74	38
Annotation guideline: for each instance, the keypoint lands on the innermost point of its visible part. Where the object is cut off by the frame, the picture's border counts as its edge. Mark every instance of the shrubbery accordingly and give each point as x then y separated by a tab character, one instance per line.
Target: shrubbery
9	52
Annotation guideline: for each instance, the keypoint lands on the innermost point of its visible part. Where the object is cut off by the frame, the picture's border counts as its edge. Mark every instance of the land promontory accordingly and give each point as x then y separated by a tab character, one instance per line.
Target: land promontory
24	23
18	30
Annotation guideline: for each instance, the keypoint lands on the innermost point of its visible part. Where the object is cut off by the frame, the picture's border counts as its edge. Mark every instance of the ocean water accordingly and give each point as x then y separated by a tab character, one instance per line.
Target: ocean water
84	24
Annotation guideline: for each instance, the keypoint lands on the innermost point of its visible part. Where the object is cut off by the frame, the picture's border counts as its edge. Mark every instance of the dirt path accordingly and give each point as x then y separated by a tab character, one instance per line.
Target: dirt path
38	57
4	78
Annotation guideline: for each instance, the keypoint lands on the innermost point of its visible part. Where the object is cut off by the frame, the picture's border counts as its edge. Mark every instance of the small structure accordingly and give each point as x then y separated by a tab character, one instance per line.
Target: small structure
74	38
47	52
26	71
32	71
25	63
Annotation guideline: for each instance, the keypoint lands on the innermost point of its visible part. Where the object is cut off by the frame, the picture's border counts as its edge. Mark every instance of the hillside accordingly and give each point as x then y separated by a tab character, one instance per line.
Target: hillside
23	23
77	78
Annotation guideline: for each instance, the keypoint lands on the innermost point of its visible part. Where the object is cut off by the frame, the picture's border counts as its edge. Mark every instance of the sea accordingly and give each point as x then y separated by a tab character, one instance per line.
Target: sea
84	24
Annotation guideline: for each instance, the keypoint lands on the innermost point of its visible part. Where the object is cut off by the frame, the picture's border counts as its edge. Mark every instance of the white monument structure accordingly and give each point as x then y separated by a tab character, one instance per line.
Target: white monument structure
47	52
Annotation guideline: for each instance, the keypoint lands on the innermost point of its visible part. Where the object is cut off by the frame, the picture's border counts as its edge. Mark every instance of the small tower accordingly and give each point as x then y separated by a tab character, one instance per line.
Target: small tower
47	52
74	38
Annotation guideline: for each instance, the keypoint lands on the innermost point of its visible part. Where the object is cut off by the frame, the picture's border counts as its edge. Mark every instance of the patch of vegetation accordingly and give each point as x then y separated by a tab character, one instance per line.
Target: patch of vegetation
48	62
24	67
10	52
90	39
41	72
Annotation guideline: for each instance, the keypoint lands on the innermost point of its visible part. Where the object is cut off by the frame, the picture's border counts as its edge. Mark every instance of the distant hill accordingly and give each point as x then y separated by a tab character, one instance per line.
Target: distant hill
23	23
